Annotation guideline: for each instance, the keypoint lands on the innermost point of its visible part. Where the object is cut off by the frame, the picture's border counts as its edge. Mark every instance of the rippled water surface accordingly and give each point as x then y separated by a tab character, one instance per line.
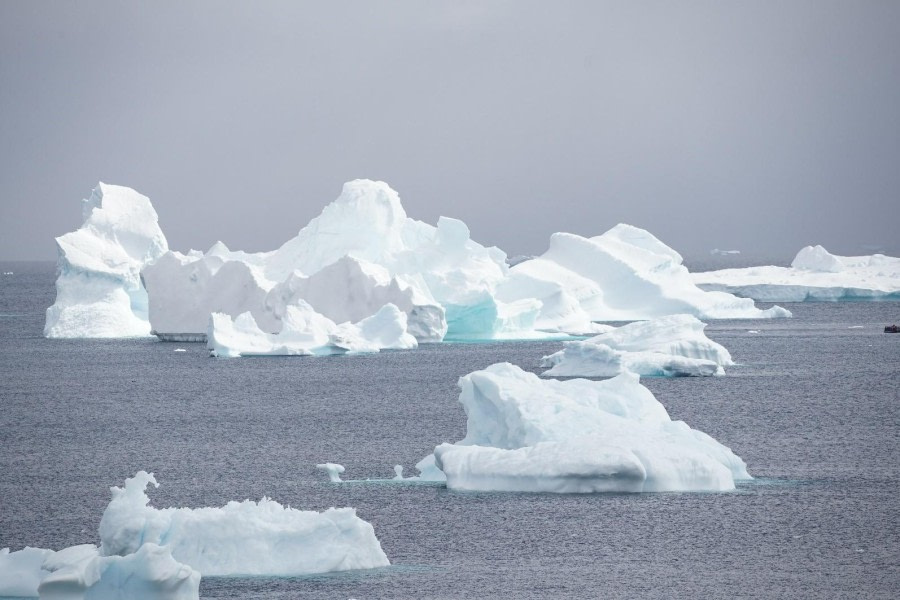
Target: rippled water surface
813	408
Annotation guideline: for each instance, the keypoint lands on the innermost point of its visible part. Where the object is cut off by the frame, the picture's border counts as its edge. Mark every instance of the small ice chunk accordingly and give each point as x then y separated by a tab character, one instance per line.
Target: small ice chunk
334	471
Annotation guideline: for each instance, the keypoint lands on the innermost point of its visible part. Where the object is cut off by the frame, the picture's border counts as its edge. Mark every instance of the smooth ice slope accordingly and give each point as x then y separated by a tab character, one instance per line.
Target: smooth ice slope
98	288
667	346
307	333
814	275
21	572
624	274
239	538
528	434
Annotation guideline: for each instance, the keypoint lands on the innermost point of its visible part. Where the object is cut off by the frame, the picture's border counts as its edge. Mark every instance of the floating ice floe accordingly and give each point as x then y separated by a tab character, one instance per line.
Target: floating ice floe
334	471
159	554
305	332
98	288
361	253
666	346
623	275
814	275
528	434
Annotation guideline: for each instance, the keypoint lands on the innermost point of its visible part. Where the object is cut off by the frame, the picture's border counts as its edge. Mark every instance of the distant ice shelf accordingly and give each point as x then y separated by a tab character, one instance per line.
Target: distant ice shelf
814	275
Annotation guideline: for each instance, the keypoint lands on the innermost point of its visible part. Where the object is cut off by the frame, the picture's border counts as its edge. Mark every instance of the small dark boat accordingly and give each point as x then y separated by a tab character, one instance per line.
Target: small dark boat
892	329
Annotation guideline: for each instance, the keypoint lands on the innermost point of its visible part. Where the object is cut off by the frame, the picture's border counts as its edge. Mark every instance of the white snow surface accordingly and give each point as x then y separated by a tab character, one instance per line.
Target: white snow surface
622	275
667	346
814	275
98	288
305	332
528	434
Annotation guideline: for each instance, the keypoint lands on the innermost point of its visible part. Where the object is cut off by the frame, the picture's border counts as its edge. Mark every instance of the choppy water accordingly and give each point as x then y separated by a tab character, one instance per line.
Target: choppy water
813	409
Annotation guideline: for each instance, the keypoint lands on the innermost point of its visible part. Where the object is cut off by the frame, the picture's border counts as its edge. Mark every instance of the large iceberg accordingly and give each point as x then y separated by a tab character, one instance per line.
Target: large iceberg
666	346
528	434
98	289
159	554
360	254
814	275
305	332
622	275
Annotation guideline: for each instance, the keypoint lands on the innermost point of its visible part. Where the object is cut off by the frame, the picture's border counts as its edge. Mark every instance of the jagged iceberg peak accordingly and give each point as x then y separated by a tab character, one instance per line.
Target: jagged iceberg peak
366	221
99	289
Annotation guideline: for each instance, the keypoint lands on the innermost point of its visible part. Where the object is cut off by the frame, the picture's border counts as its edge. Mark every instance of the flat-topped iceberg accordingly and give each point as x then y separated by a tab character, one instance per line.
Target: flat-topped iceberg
524	433
98	288
667	346
623	275
159	554
814	275
305	332
239	538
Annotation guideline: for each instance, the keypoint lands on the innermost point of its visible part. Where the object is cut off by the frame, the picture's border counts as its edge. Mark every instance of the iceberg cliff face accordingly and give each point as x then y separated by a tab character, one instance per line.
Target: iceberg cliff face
667	346
814	275
528	434
98	289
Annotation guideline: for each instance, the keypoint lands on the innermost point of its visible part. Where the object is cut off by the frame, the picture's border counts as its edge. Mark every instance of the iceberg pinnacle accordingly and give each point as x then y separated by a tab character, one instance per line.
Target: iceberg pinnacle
98	289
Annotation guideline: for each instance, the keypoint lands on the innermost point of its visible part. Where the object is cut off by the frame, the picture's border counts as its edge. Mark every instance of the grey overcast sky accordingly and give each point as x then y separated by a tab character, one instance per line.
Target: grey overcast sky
761	126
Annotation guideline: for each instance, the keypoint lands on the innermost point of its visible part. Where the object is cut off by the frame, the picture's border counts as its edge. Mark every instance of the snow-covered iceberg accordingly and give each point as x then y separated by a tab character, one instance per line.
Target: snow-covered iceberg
666	346
305	332
159	554
528	434
98	288
814	275
622	275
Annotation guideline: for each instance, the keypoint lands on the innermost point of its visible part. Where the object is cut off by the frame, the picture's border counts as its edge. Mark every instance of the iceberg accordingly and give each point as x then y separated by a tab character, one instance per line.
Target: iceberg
624	274
238	538
118	278
667	346
159	554
814	275
307	333
577	436
81	573
99	293
360	253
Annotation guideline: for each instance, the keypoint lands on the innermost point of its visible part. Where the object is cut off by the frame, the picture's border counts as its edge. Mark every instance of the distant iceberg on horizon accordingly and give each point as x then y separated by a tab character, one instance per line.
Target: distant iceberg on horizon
118	278
815	275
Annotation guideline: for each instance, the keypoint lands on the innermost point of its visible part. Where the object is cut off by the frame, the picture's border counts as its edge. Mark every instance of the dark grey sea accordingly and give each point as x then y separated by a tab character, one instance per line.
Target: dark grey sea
813	408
